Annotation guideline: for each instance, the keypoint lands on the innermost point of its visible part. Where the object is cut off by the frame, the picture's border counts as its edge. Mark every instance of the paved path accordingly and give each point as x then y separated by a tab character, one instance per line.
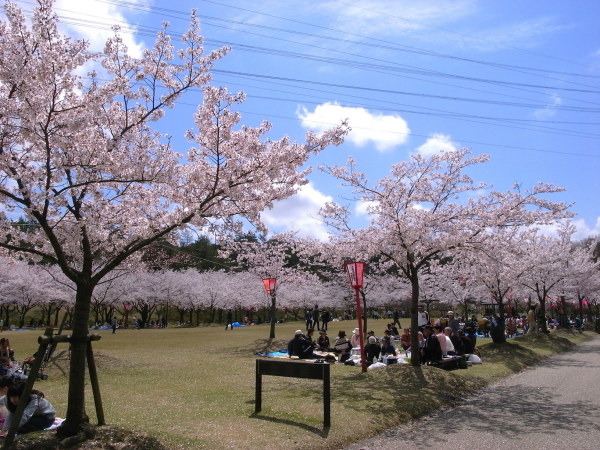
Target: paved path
555	405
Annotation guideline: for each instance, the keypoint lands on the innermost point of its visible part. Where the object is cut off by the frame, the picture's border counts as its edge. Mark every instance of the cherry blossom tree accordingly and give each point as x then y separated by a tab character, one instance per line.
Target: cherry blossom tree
274	258
496	263
83	161
456	286
426	208
19	293
554	264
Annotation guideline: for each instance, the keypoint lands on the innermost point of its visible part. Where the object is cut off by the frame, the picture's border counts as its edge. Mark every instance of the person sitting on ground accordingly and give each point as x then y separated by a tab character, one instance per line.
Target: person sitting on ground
387	348
422	317
5	383
450	350
323	341
421	339
458	342
389	335
431	351
355	339
7	369
343	346
442	338
453	322
468	345
301	346
372	350
310	336
405	339
38	415
393	330
5	350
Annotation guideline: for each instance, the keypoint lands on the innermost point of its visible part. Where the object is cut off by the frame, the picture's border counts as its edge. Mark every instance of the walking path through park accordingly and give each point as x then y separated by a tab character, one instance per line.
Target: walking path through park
554	405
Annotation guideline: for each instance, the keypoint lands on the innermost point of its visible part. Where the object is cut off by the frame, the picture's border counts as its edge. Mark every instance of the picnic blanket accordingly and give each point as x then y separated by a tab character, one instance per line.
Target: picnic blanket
57	423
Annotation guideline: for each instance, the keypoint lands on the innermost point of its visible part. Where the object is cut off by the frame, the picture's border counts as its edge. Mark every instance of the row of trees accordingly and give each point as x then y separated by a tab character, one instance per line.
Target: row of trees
515	270
81	160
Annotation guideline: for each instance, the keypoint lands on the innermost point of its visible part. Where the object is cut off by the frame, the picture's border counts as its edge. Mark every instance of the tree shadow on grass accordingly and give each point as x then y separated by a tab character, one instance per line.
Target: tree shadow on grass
322	432
400	392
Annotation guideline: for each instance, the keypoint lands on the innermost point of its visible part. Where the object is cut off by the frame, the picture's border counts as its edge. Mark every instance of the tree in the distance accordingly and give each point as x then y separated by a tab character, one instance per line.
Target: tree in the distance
82	161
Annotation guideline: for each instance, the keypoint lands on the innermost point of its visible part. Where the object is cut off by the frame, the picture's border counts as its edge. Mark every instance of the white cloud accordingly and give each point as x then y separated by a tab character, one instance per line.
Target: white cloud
525	34
550	110
362	207
437	143
583	231
384	131
299	213
92	21
399	17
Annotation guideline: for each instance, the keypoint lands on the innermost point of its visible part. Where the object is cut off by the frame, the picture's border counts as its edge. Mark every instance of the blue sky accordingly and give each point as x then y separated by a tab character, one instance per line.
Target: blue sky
519	80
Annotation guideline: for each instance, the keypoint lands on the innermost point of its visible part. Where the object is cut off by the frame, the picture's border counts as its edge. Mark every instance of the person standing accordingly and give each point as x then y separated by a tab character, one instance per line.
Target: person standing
422	317
325	318
531	321
114	325
397	318
315	317
308	318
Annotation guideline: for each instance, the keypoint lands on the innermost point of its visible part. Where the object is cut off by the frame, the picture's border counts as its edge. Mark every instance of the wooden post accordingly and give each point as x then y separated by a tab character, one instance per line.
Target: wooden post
94	381
258	390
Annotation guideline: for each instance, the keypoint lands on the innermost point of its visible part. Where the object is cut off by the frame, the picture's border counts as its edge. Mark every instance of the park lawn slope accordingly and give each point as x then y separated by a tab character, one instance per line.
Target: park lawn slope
188	388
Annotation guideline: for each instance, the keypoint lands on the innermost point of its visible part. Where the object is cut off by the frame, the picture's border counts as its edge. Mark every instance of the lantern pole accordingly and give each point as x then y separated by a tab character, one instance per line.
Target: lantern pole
269	284
355	272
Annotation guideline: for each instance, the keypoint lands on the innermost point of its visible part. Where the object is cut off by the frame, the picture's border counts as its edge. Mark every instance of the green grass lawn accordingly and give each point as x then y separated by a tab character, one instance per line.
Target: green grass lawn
194	387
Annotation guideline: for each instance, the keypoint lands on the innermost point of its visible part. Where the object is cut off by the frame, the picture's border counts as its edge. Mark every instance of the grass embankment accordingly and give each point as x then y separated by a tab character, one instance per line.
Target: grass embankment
194	388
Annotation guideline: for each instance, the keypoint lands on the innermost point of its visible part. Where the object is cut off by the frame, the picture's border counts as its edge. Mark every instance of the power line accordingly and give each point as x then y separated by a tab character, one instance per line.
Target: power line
432	112
407	93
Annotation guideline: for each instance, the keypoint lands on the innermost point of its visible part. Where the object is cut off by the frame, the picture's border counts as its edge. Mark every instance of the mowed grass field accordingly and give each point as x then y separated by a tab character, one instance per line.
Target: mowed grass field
195	387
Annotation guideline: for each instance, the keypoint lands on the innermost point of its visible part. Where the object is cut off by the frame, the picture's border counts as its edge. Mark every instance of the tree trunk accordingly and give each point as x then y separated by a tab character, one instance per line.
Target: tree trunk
415	349
364	311
76	416
499	335
541	315
273	310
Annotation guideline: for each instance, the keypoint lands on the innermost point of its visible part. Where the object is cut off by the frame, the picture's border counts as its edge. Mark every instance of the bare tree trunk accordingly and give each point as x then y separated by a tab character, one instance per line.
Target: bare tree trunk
364	311
415	349
273	310
76	416
499	335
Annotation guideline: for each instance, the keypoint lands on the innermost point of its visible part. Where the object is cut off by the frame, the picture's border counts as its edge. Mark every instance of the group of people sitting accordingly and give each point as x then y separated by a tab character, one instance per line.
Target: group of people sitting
39	413
435	343
304	346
